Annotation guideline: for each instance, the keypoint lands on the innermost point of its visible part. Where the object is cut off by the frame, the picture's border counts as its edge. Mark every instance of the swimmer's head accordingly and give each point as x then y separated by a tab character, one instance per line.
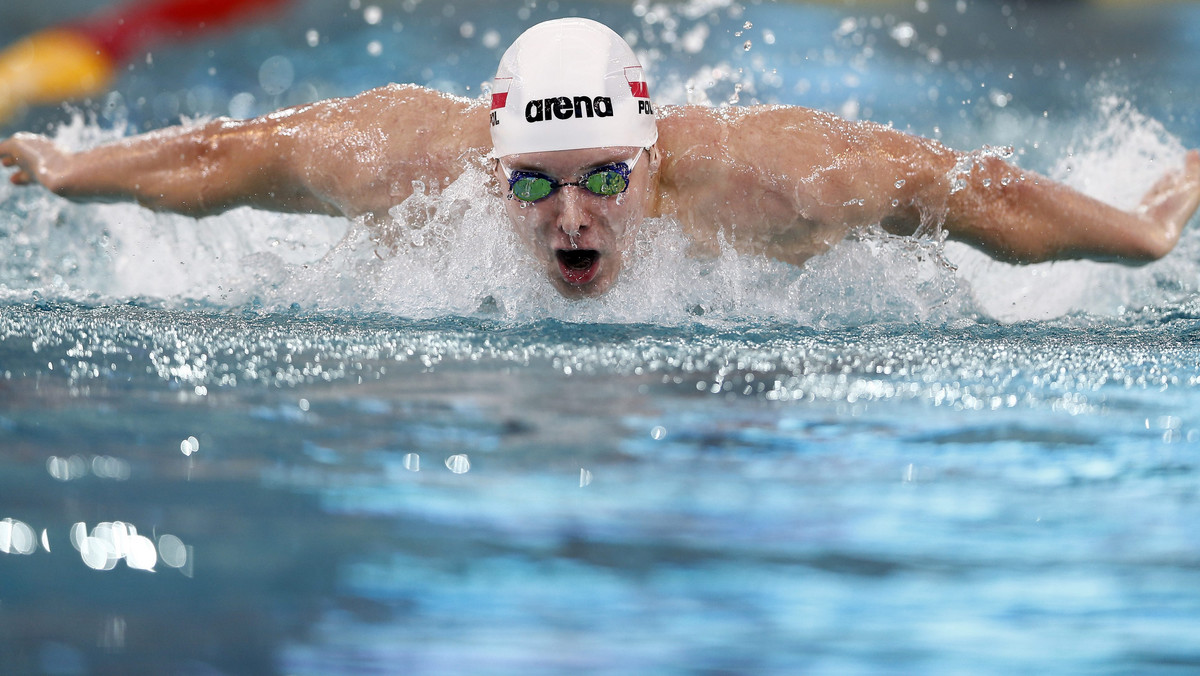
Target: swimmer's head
570	84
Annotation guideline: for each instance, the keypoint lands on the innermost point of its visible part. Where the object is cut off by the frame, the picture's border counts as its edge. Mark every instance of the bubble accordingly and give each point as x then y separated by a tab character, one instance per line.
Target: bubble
585	477
372	14
312	37
658	433
412	462
375	48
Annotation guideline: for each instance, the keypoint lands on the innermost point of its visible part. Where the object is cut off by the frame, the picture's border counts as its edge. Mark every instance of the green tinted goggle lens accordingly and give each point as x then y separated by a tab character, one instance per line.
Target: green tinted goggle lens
606	182
532	188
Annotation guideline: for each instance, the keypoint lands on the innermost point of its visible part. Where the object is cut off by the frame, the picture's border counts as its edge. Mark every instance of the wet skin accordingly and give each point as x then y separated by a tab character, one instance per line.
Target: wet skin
580	239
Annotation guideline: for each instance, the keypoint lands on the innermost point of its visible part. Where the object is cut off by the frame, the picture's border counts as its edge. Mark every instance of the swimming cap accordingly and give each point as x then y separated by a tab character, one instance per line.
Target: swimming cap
569	84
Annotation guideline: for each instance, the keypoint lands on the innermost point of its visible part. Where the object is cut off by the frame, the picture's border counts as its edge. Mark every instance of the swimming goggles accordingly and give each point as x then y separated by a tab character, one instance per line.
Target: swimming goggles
606	181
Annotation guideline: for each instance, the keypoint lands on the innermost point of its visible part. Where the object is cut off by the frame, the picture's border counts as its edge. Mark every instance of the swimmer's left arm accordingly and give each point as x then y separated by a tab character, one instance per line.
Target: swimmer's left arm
853	174
1022	217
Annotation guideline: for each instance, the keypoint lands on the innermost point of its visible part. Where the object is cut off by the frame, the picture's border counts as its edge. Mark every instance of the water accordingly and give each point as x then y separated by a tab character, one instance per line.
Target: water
902	458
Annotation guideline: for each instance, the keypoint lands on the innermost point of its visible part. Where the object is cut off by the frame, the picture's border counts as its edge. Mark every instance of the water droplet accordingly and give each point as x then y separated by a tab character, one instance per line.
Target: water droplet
189	446
276	75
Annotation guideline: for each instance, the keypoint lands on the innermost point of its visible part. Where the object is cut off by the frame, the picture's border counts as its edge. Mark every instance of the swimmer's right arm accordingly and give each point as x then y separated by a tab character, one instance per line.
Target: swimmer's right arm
339	157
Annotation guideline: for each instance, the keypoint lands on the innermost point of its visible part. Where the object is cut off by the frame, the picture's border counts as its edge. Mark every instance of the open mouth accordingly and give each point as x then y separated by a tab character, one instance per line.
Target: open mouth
578	266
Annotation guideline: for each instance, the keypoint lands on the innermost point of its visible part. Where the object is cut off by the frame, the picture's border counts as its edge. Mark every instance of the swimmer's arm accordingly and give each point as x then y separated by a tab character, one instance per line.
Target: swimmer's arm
1022	217
338	157
1012	215
842	174
196	172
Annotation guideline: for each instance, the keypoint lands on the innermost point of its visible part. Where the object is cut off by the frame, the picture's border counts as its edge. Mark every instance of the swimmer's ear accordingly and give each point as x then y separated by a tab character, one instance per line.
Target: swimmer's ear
655	158
495	186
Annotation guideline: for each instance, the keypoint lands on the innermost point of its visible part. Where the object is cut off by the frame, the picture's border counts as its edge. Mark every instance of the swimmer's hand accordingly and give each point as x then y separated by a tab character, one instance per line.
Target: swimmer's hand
37	159
1171	202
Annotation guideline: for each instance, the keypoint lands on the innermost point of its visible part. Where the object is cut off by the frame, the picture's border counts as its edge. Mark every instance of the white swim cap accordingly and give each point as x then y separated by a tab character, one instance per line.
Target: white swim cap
568	84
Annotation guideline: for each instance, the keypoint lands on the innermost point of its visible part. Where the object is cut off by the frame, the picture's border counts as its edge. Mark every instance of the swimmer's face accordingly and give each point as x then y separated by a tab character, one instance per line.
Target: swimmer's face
578	237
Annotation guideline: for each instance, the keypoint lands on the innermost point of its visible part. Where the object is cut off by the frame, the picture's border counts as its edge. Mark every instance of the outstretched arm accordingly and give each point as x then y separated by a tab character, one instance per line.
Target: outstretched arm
812	176
342	156
1022	217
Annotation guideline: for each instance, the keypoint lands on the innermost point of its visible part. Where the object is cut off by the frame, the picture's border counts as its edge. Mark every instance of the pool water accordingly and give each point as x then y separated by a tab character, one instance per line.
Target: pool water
248	445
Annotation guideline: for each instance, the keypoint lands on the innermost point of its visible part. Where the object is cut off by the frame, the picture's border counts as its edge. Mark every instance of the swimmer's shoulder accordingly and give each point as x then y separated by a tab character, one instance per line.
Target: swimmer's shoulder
412	111
698	124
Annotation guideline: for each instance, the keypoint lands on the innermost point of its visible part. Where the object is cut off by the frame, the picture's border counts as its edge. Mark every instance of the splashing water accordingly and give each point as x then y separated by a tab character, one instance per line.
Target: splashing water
453	253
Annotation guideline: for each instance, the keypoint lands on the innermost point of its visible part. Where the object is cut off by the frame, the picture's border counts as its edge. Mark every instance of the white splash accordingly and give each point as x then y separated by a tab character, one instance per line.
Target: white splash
1114	157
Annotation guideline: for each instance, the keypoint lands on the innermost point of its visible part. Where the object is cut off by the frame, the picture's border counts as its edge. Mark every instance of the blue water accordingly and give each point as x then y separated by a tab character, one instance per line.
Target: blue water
291	457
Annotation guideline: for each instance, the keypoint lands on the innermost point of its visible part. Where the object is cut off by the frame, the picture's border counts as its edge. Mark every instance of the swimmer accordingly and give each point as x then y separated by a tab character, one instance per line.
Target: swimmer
581	158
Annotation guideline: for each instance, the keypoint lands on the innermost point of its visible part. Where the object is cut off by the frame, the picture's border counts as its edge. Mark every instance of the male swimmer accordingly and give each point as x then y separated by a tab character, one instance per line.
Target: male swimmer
581	159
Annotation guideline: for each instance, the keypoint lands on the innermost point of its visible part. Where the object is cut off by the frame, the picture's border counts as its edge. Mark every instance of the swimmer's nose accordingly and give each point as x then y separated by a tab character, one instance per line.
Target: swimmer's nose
572	219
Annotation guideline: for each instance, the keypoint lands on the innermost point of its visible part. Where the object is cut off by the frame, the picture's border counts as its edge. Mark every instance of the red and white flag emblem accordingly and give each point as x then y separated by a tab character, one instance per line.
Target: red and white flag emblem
500	91
637	82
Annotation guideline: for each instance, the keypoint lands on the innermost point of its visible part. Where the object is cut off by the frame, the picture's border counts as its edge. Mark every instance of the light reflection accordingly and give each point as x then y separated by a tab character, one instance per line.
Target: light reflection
112	541
412	462
77	467
458	463
172	551
16	537
189	446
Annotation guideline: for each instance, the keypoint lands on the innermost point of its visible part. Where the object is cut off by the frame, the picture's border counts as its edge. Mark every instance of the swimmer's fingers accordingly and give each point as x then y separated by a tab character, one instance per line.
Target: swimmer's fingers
20	176
1170	203
32	154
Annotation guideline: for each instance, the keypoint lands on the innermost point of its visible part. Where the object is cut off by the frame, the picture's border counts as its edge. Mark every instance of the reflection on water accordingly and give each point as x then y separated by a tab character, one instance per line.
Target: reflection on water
639	499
